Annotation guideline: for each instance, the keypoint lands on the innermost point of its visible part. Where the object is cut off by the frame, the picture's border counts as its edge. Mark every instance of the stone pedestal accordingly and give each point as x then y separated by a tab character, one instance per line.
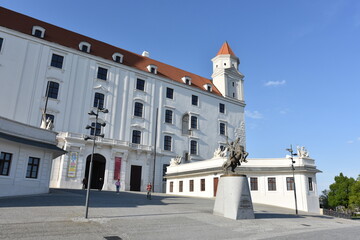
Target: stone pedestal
233	199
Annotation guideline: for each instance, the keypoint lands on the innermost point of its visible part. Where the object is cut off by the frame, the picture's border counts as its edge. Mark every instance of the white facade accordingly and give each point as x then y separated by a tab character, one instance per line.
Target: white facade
20	146
263	170
29	63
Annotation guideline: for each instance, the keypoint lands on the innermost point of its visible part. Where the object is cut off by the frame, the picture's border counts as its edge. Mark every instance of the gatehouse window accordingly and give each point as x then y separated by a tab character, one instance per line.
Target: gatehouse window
253	183
171	186
180	186
310	184
5	162
191	185
272	184
33	167
202	184
290	183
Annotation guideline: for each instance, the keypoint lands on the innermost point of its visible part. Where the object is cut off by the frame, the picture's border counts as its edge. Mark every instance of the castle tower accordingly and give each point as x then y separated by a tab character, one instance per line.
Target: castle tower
226	76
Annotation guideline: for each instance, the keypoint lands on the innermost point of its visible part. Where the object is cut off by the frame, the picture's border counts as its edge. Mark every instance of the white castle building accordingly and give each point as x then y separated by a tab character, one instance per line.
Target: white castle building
156	111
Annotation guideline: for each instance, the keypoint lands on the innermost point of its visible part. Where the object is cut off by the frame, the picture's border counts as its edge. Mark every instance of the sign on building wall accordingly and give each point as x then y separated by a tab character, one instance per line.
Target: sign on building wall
117	168
73	157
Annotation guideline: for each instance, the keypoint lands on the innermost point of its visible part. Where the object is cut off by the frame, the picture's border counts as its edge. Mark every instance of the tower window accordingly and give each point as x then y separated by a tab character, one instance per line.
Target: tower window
194	100
52	90
167	143
170	93
99	100
57	61
221	108
136	137
140	84
193	147
194	122
168	116
222	128
138	109
102	73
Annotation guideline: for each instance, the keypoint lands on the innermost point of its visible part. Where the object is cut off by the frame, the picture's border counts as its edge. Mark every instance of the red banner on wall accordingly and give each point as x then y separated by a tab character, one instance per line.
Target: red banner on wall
117	168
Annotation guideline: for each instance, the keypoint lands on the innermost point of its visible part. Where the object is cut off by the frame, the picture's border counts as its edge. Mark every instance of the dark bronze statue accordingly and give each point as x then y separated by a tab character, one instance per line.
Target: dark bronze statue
237	155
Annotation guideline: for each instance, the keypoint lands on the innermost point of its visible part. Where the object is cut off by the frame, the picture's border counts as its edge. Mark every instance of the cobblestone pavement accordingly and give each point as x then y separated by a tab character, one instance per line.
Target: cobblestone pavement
129	215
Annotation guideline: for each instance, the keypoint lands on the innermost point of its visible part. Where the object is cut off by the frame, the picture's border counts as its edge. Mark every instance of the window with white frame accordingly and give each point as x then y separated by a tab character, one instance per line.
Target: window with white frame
102	73
138	109
186	80
194	100
221	108
193	147
57	61
310	184
136	137
170	93
140	84
117	57
168	116
271	184
52	90
99	100
194	122
167	143
5	163
38	31
85	47
290	183
253	183
33	167
222	128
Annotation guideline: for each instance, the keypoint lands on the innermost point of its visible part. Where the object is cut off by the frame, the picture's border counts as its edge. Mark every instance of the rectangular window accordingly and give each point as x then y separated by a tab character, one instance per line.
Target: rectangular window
57	61
193	147
221	108
138	109
97	130
171	186
140	84
164	171
52	90
136	137
180	186
222	129
99	100
5	162
290	183
272	184
191	185
202	183
168	116
1	43
194	122
194	100
84	48
38	33
170	93
167	143
310	184
51	117
102	73
33	167
253	184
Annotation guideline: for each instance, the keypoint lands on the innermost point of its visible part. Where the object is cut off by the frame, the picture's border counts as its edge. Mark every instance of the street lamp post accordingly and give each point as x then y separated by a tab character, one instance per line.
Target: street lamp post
292	154
93	138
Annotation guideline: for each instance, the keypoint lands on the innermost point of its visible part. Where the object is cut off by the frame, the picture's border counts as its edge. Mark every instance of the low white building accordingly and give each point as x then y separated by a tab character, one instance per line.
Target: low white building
270	180
26	155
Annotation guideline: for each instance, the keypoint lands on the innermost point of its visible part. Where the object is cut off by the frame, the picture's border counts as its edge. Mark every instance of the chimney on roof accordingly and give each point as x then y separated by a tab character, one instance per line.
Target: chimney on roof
145	54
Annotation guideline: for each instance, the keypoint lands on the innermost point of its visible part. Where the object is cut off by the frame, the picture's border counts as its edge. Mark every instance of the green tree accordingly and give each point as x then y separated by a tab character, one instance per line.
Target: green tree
354	198
340	191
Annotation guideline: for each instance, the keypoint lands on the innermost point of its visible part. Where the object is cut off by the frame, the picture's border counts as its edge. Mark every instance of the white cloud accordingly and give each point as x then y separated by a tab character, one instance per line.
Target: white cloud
274	83
358	138
350	142
255	114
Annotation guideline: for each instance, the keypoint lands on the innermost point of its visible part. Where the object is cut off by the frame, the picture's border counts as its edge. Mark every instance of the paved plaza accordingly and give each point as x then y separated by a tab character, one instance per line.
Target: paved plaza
129	215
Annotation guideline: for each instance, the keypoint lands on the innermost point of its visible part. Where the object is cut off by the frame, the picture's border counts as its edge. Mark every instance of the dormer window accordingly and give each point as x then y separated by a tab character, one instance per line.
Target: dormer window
152	68
117	57
208	87
186	80
85	47
38	31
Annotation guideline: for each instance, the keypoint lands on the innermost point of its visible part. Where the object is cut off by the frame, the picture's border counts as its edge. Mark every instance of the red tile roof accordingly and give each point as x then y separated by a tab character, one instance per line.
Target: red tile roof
225	49
24	24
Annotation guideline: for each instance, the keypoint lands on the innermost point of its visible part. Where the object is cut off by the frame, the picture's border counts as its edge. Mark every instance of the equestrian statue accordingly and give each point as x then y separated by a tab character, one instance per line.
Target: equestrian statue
237	155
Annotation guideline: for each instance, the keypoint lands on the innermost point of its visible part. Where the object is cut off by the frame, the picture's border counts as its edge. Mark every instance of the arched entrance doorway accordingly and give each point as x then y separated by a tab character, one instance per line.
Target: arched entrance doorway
98	170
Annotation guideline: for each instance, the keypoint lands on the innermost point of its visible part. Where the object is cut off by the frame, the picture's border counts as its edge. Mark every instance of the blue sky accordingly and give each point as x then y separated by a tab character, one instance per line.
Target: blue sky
301	61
